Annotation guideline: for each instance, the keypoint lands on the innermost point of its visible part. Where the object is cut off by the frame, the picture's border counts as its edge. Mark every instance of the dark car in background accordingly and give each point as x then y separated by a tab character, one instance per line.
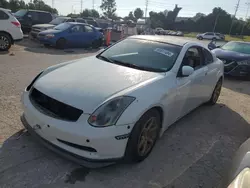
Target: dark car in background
71	34
236	58
27	18
61	19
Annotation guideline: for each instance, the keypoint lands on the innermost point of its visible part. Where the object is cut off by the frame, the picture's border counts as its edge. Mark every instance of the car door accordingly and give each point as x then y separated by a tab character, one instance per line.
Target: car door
89	35
34	17
189	89
211	70
74	36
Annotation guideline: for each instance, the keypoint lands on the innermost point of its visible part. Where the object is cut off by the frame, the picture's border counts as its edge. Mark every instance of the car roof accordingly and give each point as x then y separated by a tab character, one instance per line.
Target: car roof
36	10
78	23
180	41
4	9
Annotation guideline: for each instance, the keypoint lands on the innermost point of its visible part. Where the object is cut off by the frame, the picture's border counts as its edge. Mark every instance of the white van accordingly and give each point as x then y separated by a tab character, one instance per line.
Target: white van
10	29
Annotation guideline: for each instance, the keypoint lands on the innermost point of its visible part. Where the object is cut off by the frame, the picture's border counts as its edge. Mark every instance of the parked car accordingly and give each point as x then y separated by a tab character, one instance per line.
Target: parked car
42	27
71	34
179	33
236	58
115	105
10	29
159	31
208	35
222	36
239	174
27	18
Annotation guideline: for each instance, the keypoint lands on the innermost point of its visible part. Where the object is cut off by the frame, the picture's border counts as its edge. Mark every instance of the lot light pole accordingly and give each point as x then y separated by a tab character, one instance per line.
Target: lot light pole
248	5
236	10
216	20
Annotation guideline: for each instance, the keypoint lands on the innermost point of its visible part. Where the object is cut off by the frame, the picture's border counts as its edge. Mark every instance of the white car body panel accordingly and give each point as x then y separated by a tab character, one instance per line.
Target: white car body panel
6	26
88	83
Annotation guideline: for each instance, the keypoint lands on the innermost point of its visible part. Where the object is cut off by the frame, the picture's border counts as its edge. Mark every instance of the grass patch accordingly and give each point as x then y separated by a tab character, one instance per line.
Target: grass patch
227	37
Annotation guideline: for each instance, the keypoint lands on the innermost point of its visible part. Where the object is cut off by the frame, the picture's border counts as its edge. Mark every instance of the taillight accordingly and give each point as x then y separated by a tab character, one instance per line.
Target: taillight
16	24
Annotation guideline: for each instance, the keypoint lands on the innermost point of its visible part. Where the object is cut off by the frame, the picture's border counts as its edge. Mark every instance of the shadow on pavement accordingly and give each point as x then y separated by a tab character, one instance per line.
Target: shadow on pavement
241	85
194	152
34	46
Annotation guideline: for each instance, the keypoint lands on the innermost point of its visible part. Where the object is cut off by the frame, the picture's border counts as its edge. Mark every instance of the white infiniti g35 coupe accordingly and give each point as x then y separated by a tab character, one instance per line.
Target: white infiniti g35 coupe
100	109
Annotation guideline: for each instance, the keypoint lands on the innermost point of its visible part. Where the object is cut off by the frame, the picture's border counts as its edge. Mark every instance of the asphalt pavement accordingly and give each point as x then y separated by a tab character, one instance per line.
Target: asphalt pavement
194	152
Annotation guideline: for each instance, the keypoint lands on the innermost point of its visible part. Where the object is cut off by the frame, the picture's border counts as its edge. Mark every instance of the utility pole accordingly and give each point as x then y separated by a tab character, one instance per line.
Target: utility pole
216	20
52	3
243	27
93	4
236	10
81	6
146	8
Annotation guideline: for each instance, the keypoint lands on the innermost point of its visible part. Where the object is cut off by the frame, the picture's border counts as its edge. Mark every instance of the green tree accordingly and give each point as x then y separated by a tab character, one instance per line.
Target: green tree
108	7
138	13
90	13
95	13
4	4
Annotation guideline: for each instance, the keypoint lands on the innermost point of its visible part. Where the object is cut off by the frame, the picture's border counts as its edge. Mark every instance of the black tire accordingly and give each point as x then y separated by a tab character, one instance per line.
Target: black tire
214	38
46	45
216	93
61	43
138	135
5	42
96	43
200	38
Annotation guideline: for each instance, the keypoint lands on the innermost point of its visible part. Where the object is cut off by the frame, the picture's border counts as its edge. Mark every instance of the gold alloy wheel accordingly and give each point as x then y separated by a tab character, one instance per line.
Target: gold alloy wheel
147	137
217	92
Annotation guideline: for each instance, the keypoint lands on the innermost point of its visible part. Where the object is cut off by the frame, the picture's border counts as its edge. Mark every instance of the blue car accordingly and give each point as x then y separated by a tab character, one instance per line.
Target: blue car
73	35
236	58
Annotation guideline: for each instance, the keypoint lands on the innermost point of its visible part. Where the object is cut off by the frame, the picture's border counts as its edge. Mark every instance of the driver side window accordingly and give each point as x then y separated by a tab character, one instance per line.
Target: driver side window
77	29
193	58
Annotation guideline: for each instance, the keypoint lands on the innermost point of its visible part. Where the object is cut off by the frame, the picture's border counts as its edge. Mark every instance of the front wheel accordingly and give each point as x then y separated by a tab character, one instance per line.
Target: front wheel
61	43
200	38
5	42
143	136
216	93
97	43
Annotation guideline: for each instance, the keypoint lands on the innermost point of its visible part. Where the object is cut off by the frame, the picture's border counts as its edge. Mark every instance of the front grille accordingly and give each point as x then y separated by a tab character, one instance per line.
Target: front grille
54	108
89	149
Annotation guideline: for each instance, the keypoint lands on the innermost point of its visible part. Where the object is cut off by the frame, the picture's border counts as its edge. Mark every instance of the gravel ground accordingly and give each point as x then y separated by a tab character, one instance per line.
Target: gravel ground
194	152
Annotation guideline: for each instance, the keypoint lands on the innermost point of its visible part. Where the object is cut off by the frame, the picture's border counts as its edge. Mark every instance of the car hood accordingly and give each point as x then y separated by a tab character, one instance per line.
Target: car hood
230	55
54	31
44	26
88	82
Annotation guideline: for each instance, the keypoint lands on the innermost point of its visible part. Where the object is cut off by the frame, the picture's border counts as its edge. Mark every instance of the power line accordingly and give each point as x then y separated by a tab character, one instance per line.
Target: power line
236	10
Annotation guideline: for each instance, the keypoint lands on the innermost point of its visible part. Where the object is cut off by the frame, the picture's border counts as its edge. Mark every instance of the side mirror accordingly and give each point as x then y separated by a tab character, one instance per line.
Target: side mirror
187	70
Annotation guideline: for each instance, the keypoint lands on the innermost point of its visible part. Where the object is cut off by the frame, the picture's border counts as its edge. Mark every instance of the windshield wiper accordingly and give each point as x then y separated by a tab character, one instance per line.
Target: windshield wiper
137	67
105	58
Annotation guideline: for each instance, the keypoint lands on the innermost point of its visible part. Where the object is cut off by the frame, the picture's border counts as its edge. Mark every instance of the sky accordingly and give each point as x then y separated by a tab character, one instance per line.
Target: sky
189	7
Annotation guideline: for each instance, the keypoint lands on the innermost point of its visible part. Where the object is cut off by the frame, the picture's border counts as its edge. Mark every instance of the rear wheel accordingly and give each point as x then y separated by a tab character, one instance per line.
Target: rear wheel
97	43
216	93
61	43
143	136
5	42
200	38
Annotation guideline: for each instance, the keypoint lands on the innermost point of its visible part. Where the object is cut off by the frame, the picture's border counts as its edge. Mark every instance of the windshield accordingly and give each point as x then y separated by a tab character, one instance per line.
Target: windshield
237	47
20	13
62	26
142	54
58	21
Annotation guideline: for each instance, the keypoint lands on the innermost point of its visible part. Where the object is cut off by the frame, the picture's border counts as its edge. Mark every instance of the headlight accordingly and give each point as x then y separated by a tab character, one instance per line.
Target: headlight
33	81
108	113
49	35
245	62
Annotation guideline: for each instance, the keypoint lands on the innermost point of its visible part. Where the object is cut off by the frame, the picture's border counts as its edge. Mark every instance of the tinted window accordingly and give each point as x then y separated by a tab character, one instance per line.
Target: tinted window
208	56
209	34
62	26
237	47
3	15
192	58
88	29
77	29
81	20
142	54
34	15
44	17
70	20
20	13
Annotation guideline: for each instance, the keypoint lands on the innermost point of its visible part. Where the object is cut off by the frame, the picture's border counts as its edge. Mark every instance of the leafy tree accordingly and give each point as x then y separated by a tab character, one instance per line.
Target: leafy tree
109	7
138	13
4	3
90	13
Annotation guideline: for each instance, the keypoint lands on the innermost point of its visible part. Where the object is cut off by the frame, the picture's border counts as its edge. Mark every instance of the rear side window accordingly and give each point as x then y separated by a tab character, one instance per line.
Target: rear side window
207	56
44	17
34	15
70	20
88	29
3	15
